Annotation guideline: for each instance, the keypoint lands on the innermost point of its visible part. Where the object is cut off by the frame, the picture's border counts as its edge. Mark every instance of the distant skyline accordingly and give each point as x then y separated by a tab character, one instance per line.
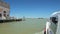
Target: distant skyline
33	8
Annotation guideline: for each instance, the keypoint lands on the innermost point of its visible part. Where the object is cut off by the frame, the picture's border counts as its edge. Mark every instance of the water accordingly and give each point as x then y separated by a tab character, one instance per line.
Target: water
29	26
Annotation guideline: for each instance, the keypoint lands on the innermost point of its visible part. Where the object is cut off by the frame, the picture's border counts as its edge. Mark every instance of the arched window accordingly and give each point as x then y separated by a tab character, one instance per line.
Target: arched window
4	11
0	15
4	15
7	15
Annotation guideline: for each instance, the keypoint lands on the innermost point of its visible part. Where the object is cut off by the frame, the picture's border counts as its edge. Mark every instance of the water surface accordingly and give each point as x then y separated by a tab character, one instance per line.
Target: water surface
29	26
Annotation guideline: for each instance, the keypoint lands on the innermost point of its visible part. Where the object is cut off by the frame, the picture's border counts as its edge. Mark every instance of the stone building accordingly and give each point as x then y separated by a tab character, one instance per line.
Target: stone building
4	10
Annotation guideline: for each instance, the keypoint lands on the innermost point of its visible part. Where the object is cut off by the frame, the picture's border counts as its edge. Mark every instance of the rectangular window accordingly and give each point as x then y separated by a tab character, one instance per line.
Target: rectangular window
0	15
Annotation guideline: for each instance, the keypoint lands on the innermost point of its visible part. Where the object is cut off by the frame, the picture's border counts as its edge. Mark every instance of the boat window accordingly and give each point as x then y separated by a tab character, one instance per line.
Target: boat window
54	19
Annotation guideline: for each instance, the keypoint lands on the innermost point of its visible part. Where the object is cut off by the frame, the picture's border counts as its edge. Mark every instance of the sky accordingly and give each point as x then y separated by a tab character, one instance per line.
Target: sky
33	8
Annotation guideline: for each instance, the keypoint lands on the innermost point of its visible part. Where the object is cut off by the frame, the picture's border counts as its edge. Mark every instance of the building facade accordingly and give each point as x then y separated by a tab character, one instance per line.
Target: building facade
4	10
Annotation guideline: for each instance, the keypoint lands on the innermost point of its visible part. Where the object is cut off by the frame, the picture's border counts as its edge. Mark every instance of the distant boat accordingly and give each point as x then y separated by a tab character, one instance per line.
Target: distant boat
40	18
23	18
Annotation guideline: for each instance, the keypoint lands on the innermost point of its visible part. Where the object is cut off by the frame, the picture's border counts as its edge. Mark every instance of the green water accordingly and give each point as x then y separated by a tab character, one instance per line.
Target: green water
29	26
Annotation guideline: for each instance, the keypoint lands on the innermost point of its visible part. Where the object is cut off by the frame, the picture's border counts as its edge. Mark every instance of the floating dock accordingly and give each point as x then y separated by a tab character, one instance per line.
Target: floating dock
10	20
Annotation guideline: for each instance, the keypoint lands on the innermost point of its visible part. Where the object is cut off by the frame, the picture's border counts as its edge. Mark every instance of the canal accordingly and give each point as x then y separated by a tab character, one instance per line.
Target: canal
29	26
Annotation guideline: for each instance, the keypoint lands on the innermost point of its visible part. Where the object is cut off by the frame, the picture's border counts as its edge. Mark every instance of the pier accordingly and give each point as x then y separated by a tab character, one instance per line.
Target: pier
10	20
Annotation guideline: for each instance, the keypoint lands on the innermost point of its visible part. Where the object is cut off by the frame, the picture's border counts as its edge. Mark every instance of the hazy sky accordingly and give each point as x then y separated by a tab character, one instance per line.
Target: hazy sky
33	8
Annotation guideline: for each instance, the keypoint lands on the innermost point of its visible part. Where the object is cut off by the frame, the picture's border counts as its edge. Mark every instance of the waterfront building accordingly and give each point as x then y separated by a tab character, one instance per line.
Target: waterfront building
4	10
